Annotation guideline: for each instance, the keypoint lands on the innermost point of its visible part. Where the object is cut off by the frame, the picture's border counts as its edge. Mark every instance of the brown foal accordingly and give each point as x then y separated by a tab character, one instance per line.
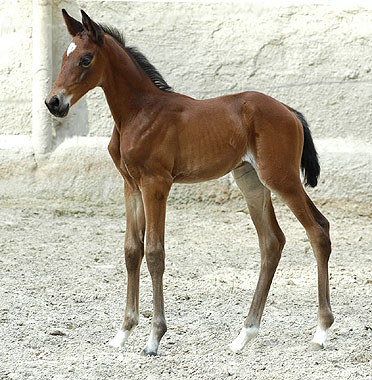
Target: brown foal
161	137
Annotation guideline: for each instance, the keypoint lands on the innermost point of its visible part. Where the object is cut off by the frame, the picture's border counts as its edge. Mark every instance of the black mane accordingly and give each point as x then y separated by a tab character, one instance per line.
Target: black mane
142	61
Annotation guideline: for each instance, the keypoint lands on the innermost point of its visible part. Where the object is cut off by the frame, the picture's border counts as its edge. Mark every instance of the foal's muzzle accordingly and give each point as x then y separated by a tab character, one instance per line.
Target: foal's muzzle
57	107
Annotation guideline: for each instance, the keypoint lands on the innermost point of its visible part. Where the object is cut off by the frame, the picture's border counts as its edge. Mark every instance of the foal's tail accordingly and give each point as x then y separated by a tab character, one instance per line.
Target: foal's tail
309	161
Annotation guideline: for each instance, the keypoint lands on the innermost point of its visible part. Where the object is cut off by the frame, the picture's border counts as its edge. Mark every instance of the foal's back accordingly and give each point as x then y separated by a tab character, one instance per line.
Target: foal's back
213	136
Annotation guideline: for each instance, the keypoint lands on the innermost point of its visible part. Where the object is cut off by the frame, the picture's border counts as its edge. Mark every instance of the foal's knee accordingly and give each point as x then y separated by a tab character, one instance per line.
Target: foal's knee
155	256
133	256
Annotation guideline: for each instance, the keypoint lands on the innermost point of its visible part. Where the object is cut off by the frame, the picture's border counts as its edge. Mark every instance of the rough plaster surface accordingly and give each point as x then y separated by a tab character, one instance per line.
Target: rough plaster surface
316	58
15	67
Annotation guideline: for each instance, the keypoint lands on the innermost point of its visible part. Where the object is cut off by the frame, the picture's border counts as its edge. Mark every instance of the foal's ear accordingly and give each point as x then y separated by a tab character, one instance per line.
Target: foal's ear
73	26
94	31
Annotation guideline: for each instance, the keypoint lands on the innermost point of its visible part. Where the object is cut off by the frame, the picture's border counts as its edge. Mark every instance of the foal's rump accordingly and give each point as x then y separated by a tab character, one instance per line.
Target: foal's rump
279	141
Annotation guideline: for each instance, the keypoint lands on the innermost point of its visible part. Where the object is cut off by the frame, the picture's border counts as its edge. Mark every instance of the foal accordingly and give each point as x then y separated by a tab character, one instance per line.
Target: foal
161	137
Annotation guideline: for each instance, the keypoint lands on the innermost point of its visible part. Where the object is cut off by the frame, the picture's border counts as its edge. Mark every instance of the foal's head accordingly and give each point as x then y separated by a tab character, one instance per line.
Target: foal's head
82	64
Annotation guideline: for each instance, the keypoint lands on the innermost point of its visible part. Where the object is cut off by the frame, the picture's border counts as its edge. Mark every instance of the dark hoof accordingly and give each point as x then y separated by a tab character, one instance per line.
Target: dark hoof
148	353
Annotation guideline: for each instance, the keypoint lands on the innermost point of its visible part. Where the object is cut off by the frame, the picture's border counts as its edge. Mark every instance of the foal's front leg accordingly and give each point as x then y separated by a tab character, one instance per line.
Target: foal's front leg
155	194
134	249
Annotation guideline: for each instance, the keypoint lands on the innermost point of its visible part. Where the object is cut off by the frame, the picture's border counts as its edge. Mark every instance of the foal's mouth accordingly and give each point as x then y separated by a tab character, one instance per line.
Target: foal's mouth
58	112
64	111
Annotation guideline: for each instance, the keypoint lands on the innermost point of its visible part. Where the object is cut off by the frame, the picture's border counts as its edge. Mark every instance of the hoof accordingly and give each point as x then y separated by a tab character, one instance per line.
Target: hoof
234	348
115	343
146	352
316	346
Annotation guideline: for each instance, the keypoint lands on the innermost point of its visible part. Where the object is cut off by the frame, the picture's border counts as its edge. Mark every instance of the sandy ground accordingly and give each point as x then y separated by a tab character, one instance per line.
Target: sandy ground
63	290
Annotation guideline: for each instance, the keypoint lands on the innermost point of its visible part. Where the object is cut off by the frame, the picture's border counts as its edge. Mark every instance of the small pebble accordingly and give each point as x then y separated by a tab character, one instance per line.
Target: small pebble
147	313
57	333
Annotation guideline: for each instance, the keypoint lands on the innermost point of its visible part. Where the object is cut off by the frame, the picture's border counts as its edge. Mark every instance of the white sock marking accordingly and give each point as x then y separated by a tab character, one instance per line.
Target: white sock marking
120	338
152	344
71	48
320	336
246	335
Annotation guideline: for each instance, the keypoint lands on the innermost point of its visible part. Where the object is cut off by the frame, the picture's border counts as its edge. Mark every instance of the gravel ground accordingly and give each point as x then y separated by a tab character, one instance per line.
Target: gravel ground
63	290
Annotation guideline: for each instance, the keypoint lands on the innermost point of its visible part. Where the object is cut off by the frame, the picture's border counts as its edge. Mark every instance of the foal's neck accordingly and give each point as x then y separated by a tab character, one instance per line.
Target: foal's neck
126	86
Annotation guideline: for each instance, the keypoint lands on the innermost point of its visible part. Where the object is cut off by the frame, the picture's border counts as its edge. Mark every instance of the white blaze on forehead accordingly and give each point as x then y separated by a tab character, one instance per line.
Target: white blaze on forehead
71	48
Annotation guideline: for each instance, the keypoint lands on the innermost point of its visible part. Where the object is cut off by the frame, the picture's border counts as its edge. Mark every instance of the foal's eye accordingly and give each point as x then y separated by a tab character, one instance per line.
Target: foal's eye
85	61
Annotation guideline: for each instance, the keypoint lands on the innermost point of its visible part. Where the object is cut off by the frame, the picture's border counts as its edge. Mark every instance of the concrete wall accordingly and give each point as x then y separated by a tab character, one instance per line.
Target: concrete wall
15	67
316	58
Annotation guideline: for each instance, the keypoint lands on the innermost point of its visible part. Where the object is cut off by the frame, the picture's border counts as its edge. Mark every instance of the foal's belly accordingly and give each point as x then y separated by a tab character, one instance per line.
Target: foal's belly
211	140
199	167
197	176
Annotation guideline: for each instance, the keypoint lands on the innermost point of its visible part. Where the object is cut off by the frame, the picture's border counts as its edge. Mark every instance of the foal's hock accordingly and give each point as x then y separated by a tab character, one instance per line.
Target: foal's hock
161	137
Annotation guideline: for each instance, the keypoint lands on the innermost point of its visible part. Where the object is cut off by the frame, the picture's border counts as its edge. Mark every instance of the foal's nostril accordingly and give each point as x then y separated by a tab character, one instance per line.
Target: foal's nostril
54	103
57	107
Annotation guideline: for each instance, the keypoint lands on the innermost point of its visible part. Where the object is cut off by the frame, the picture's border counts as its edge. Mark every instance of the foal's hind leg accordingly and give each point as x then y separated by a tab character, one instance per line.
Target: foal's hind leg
271	241
134	251
317	230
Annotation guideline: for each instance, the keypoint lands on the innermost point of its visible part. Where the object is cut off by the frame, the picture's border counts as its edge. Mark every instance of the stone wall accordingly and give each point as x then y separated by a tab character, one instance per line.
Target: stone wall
315	58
